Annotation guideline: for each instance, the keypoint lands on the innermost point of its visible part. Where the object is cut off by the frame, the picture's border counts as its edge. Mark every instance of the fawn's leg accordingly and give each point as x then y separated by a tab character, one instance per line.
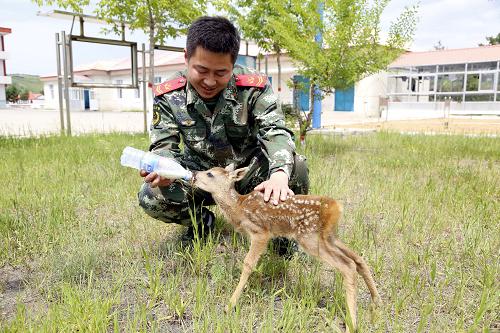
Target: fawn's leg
257	246
347	267
362	269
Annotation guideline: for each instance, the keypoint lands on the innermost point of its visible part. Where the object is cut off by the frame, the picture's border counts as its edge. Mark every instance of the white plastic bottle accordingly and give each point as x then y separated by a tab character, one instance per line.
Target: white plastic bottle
163	166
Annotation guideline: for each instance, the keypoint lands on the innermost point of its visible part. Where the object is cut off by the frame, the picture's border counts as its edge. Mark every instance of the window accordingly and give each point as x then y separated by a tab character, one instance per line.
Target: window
137	93
120	90
480	81
498	82
51	90
482	66
75	94
487	81
450	83
157	79
479	97
472	82
426	69
425	83
451	68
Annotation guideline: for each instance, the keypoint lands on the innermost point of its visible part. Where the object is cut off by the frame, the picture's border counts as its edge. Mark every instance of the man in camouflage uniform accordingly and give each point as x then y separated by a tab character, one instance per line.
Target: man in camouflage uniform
224	114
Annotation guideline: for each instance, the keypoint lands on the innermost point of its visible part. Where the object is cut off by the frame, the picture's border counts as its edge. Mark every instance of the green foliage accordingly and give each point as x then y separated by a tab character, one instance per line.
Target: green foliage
24	95
493	40
159	19
165	18
75	6
29	82
439	46
253	18
12	93
351	37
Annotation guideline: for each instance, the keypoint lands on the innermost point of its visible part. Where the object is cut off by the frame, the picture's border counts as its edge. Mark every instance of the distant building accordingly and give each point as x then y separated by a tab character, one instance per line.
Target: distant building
115	72
416	85
467	80
340	104
4	79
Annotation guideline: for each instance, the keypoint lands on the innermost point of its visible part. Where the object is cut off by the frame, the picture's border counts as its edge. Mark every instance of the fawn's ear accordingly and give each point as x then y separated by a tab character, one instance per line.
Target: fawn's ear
238	174
230	167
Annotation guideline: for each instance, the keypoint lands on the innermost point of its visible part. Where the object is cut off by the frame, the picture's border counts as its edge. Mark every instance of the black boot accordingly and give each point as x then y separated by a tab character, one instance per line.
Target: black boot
284	247
203	229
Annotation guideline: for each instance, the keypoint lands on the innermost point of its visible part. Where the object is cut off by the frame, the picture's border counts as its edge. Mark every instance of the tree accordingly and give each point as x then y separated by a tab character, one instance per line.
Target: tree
253	17
73	5
12	93
351	36
494	40
24	95
439	46
159	19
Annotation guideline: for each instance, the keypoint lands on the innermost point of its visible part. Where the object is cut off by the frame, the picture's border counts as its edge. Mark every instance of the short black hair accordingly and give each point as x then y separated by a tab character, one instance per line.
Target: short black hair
213	33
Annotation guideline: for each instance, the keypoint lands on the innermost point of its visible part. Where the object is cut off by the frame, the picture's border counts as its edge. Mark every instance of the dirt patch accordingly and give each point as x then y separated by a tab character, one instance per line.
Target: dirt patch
14	289
12	284
489	126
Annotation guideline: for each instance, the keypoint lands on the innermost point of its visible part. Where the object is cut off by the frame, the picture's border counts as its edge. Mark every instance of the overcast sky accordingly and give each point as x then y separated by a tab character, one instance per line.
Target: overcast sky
31	45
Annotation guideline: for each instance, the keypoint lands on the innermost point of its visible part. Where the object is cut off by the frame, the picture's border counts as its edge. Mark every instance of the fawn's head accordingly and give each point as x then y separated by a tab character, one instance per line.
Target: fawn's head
218	179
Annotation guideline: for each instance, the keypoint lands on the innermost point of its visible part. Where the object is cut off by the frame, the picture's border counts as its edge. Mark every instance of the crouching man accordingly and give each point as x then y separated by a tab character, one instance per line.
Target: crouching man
224	114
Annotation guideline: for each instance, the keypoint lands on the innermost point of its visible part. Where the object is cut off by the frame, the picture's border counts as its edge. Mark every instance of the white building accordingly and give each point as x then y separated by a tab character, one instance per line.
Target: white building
4	79
417	85
362	104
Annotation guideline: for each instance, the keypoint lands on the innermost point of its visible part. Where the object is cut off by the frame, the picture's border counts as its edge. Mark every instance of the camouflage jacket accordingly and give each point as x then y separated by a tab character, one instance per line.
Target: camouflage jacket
246	121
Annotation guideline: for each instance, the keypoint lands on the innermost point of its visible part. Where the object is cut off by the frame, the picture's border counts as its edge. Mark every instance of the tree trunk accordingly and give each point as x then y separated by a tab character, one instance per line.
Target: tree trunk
307	122
151	75
278	62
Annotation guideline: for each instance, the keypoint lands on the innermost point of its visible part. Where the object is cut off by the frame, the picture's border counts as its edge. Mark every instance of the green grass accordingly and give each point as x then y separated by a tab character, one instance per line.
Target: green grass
78	254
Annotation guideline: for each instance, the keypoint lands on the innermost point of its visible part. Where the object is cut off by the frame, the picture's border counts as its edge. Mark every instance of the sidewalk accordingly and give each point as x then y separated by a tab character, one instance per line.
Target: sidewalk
29	122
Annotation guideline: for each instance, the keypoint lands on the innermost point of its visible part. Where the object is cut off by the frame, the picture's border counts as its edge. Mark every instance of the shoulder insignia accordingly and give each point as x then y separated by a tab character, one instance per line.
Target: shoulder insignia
251	80
169	86
156	115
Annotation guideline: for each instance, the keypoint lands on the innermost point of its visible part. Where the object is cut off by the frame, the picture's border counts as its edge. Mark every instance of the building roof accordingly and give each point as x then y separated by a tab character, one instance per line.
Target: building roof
450	56
33	96
5	31
161	59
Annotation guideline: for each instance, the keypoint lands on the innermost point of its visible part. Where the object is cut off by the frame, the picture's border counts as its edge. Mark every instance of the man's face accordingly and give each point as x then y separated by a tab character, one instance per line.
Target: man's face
208	72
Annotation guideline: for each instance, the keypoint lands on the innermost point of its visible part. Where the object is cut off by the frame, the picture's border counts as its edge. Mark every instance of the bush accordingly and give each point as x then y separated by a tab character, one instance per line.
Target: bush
290	116
12	93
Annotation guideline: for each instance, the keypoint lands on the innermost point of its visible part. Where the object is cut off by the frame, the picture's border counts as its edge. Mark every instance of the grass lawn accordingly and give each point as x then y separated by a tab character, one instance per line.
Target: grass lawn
78	254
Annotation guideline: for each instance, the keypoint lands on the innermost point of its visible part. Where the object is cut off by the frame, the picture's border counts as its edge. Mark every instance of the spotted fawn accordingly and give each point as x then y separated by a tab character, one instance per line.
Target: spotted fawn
310	220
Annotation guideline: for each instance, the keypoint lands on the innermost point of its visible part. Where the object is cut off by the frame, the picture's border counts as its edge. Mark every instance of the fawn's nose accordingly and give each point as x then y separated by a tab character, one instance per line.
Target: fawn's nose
193	178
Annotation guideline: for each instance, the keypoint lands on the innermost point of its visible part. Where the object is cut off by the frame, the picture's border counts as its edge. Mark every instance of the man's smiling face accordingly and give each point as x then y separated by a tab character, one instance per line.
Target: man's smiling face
209	72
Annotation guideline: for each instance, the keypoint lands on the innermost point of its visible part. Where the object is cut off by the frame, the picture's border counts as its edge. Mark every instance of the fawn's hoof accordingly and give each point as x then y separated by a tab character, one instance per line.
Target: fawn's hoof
374	309
231	307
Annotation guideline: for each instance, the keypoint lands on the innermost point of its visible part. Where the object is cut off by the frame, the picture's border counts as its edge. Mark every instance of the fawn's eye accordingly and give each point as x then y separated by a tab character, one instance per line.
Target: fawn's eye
209	174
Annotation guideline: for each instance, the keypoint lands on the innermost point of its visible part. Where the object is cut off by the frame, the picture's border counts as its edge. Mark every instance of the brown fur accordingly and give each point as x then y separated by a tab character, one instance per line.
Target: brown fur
311	220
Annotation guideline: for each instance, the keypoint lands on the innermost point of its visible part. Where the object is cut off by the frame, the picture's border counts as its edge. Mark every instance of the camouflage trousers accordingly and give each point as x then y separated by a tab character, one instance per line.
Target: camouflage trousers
179	201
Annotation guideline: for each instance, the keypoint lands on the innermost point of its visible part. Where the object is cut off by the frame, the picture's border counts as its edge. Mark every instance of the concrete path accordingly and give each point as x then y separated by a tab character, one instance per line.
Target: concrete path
29	122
